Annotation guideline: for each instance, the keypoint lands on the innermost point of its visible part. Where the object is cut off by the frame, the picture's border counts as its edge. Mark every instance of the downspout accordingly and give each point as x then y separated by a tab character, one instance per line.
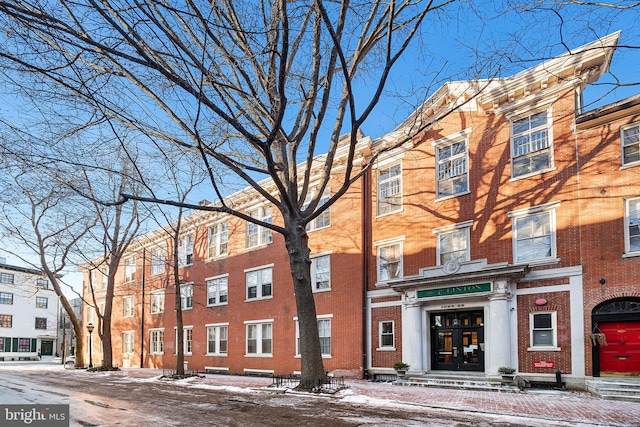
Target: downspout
144	262
365	273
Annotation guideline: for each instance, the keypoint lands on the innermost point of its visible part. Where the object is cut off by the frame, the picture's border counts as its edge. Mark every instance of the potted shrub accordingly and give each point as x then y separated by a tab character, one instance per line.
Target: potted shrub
507	373
401	368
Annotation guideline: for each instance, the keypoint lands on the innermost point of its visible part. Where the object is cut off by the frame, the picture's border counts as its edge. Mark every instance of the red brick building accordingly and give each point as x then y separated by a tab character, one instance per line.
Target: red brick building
504	235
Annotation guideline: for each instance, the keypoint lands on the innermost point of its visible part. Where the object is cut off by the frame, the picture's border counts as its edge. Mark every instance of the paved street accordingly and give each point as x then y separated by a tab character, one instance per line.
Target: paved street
136	397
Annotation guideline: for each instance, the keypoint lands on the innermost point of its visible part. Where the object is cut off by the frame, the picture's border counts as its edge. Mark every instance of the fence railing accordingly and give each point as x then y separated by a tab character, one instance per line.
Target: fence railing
328	385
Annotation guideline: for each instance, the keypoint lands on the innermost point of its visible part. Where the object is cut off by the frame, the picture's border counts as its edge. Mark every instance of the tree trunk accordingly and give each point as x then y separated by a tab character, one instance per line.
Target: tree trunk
297	242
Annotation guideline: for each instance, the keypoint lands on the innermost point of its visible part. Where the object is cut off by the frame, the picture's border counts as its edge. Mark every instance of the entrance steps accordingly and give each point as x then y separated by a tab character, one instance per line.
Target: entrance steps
615	388
458	380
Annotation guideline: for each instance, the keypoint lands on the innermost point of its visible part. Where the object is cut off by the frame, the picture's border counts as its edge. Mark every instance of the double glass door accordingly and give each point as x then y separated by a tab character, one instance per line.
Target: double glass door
457	341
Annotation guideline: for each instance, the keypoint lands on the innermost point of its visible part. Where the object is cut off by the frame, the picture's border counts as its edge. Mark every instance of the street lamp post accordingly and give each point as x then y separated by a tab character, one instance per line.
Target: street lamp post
90	329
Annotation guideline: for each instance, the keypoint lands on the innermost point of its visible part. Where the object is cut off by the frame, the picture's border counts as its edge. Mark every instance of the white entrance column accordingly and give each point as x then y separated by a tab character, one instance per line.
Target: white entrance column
412	334
498	333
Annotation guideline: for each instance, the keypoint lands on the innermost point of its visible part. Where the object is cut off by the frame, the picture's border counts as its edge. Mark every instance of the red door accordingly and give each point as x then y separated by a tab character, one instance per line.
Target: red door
622	352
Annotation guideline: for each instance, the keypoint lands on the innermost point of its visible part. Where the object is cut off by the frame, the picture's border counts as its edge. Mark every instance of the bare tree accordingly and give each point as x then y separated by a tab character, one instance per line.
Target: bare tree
44	220
251	86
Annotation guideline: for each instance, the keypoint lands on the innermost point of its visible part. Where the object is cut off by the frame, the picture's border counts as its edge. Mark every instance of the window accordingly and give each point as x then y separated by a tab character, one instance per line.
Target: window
105	279
41	323
217	339
389	189
453	243
631	144
156	341
6	278
186	296
127	342
217	290
321	273
6	320
7	298
543	330
187	340
41	302
534	237
25	345
452	175
632	228
128	306
324	331
259	339
259	284
324	219
258	235
531	144
389	261
185	250
42	283
157	261
387	340
157	302
129	269
218	240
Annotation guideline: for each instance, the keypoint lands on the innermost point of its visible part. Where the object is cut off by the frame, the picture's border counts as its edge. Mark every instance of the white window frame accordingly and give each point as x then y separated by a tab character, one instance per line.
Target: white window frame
388	188
218	240
630	132
324	219
632	226
521	151
381	334
186	296
128	306
156	341
216	336
258	235
524	214
156	301
260	340
323	320
260	283
316	274
104	280
157	261
454	167
128	342
185	250
187	340
130	269
215	286
553	346
381	265
463	229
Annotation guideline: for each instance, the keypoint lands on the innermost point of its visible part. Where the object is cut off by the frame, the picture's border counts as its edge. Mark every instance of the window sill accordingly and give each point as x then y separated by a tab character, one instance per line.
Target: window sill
259	246
264	356
537	262
218	305
258	299
532	174
156	354
629	165
452	196
157	312
319	228
386	349
631	254
216	258
319	291
324	356
544	349
217	354
389	213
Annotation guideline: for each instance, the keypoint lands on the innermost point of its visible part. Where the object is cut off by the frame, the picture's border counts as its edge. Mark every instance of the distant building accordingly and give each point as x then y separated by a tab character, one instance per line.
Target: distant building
28	314
66	336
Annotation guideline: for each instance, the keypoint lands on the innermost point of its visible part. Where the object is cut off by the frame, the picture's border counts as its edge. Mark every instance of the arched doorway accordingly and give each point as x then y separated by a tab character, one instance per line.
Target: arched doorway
616	337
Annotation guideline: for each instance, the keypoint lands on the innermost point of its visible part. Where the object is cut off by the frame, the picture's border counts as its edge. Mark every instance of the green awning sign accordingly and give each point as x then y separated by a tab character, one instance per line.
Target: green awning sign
454	290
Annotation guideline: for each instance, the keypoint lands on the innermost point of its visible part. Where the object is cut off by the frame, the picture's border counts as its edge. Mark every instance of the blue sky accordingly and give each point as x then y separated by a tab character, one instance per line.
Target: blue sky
480	39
